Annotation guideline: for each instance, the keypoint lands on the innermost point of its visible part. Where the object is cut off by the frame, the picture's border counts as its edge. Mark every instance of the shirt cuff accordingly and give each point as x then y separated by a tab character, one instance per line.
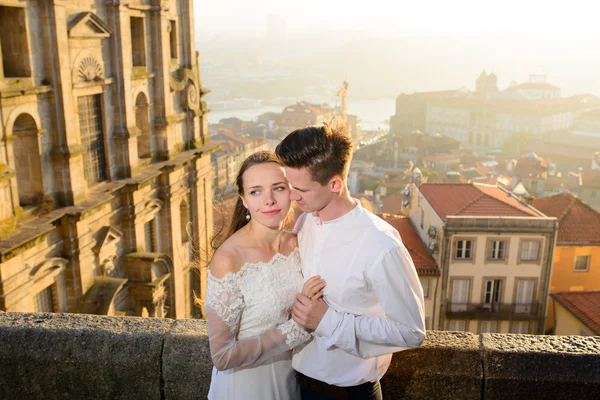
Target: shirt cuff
330	321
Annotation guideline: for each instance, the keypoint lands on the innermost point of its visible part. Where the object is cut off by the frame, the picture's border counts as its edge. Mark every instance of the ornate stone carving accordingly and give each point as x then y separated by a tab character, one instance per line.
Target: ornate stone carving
89	70
191	97
109	268
87	25
106	251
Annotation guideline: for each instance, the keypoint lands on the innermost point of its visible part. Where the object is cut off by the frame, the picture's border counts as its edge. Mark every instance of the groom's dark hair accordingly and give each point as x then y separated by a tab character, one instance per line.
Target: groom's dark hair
325	151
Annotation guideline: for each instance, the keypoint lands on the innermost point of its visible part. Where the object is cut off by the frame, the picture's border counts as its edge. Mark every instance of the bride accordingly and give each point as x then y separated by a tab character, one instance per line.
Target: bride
253	280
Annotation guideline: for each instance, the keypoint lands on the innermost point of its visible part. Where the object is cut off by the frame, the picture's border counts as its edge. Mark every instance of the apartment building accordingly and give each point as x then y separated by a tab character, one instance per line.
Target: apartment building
494	252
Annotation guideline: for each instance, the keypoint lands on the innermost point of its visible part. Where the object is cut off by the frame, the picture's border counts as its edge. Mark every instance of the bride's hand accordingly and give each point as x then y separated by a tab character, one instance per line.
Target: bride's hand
313	288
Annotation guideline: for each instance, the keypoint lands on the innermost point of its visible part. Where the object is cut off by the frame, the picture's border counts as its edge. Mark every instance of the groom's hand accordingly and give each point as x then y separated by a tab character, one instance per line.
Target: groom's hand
308	313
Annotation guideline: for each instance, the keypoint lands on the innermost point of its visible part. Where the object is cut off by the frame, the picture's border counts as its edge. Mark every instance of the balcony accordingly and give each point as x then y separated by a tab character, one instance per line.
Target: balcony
496	312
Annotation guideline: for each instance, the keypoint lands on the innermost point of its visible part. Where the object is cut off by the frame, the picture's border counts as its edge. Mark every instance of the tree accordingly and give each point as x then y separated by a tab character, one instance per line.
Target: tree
514	142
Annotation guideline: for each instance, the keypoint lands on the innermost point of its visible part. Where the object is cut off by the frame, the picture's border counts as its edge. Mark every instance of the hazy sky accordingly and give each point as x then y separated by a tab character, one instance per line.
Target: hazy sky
558	20
442	44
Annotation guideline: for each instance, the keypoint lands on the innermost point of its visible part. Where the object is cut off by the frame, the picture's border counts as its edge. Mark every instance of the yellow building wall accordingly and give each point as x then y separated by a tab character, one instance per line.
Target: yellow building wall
567	324
566	279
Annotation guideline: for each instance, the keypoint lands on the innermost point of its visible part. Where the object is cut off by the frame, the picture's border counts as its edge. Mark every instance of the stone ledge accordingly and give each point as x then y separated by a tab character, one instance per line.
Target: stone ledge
544	367
186	356
74	356
446	366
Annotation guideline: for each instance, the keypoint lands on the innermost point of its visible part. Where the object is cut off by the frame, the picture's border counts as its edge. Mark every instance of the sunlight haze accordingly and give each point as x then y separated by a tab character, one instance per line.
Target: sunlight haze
537	18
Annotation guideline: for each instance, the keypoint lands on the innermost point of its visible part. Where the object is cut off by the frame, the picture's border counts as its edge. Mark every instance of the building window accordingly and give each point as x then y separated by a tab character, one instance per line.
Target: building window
27	160
460	295
173	40
184	220
520	327
150	236
464	249
496	250
138	42
524	296
457	325
530	250
92	138
582	263
492	294
425	286
44	300
13	41
142	122
488	326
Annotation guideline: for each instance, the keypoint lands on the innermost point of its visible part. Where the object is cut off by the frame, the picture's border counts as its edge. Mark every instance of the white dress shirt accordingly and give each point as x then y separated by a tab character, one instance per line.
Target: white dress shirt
373	292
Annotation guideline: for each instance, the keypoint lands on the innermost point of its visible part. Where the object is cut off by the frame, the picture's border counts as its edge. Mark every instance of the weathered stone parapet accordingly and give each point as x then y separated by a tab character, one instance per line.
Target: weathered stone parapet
74	356
71	356
542	367
446	366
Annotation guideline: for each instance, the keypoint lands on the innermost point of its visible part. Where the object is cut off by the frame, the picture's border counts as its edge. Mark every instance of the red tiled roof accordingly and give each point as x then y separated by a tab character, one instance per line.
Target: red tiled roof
531	166
235	137
473	199
578	223
585	306
423	261
495	180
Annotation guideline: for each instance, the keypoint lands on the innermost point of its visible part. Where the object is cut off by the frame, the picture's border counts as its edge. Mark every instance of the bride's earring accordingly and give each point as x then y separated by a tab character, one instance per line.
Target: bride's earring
247	215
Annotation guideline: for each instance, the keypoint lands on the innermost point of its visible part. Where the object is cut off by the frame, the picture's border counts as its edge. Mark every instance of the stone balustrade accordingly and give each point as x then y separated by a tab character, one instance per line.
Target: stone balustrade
75	356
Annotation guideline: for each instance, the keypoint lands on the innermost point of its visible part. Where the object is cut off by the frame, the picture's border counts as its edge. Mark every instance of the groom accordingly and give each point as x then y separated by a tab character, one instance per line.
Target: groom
373	301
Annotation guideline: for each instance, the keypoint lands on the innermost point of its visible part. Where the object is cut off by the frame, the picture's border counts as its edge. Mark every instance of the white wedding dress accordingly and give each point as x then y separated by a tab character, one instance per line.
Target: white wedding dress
251	333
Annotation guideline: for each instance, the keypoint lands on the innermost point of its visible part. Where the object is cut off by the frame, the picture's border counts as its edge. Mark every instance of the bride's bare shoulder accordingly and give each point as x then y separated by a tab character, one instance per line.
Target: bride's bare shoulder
226	259
290	242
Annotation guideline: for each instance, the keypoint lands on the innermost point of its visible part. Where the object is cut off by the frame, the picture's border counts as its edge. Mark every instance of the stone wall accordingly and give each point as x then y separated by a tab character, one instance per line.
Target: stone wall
71	356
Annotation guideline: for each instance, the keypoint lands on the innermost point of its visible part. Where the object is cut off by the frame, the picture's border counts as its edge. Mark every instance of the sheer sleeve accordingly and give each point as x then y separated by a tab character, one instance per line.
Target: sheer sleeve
224	305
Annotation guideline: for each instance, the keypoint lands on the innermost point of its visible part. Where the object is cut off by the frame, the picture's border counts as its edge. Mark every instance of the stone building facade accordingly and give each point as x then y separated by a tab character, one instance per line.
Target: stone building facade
105	172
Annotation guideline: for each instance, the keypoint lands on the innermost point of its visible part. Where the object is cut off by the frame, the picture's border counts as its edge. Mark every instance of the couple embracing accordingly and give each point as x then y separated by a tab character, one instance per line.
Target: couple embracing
315	313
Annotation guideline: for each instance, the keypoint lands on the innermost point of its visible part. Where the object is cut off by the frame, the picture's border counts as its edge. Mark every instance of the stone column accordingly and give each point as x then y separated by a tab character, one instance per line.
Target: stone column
165	118
202	195
125	131
67	152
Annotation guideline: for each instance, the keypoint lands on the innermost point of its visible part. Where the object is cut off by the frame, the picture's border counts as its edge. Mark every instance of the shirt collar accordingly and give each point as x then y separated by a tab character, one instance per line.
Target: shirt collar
349	215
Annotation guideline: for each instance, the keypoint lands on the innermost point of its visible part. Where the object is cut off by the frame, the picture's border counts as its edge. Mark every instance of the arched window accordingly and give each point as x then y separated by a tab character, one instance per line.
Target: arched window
27	160
48	286
142	121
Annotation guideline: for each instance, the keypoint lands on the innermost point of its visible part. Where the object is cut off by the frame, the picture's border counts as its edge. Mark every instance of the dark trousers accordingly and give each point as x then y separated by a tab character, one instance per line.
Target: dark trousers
312	389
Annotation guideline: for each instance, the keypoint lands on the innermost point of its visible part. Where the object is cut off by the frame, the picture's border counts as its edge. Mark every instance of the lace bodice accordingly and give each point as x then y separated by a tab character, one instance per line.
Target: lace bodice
249	311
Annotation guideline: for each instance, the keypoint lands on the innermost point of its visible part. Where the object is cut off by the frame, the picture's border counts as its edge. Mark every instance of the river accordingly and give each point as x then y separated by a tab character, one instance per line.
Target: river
372	112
